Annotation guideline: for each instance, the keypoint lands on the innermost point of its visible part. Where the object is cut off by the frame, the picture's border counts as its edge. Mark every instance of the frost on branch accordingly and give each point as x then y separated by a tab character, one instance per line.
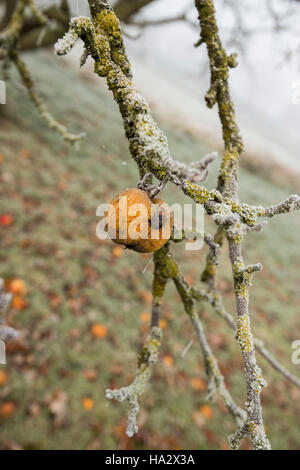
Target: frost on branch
103	41
10	40
148	145
64	45
131	393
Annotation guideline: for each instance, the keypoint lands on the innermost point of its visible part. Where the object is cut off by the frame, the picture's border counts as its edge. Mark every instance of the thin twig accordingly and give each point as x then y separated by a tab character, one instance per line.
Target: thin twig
103	41
147	358
9	44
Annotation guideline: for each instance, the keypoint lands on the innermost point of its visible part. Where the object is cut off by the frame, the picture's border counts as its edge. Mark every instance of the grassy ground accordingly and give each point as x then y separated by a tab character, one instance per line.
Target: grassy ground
58	371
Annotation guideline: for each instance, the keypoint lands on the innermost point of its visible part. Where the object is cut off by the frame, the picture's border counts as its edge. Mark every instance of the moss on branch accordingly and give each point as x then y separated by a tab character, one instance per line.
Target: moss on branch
147	358
10	40
149	148
220	64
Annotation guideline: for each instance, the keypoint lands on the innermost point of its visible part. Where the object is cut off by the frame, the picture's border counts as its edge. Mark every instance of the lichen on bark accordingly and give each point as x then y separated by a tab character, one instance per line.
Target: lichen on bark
149	148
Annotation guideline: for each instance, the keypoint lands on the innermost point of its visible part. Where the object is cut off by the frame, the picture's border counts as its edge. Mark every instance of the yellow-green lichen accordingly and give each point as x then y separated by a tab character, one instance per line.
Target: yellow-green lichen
243	334
107	23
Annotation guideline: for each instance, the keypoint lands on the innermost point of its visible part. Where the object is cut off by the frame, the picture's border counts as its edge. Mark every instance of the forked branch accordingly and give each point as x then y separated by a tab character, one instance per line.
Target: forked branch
103	41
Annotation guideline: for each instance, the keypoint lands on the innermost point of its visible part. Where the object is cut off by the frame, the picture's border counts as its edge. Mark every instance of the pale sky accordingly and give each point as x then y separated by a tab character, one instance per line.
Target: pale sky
263	82
262	85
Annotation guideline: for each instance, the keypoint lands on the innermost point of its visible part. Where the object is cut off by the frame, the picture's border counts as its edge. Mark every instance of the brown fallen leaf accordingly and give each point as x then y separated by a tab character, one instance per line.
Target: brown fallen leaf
90	374
57	402
34	409
198	384
168	360
18	287
118	251
206	411
3	377
145	295
25	153
198	419
7	409
145	317
18	303
99	331
163	323
87	403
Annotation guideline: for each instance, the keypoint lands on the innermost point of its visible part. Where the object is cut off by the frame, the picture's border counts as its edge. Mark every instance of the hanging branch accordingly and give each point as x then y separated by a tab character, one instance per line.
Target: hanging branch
9	44
103	41
40	104
147	358
219	93
169	269
213	296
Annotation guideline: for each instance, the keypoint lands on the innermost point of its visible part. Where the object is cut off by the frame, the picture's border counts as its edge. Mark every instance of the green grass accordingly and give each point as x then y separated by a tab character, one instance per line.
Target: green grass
75	281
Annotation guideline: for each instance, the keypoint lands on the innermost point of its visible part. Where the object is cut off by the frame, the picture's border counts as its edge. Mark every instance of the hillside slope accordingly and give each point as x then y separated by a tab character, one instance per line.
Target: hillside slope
58	371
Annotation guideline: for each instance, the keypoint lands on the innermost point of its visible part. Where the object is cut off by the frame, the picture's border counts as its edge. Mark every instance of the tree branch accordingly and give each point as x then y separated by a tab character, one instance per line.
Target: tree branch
149	148
9	44
147	358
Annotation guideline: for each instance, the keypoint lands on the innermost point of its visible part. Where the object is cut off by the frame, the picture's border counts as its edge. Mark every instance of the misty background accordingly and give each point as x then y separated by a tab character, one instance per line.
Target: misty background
174	75
83	305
